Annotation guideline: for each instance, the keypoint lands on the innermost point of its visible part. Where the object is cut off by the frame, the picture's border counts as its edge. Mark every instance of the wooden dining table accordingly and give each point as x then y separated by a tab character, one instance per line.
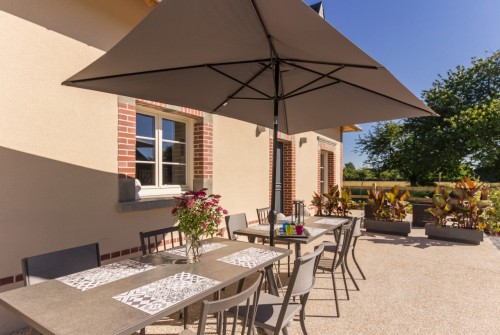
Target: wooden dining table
124	297
316	227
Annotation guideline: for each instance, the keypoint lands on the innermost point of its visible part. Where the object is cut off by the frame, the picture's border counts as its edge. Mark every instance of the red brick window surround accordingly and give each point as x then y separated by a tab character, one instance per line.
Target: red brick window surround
327	151
179	160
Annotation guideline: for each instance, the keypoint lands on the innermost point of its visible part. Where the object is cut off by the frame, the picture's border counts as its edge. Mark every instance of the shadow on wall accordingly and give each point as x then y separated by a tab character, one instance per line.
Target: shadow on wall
105	22
47	205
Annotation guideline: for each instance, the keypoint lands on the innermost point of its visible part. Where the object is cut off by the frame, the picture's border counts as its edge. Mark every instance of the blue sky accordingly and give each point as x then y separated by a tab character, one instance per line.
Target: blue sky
415	40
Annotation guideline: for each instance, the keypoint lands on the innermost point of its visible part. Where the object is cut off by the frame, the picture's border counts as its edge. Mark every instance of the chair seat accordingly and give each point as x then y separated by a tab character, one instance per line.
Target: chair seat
325	263
269	310
330	246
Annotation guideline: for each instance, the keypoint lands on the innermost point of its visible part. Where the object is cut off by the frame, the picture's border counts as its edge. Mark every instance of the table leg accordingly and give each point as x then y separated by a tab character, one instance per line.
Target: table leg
273	288
298	251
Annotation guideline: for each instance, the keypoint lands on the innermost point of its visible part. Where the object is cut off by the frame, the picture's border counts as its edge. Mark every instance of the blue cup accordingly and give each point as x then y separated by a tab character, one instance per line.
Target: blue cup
284	227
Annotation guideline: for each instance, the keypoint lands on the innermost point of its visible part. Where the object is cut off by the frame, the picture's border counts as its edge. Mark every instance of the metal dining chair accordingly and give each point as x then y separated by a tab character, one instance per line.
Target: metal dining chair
245	298
275	313
338	260
235	222
263	216
40	268
356	234
160	240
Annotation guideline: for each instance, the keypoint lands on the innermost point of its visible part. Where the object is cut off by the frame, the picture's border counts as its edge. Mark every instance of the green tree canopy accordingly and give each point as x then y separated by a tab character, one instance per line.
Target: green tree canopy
466	136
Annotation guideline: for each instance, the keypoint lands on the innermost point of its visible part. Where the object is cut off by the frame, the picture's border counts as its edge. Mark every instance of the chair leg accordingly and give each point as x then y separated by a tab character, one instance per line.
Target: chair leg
355	261
303	301
143	331
335	295
185	317
350	274
288	261
345	282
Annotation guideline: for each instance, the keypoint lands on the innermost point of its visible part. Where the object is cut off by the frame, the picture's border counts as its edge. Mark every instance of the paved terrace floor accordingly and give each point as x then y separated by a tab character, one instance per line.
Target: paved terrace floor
414	286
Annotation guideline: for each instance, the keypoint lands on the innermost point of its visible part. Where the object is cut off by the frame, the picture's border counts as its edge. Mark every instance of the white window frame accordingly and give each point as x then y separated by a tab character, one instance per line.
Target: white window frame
160	189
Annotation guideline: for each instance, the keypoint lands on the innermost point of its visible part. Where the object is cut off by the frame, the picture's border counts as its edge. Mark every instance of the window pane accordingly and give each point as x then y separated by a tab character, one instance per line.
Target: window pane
174	152
145	173
173	131
174	174
144	150
145	125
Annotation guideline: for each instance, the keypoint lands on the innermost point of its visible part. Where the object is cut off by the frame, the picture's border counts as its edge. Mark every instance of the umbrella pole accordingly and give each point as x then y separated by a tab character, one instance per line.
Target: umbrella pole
272	213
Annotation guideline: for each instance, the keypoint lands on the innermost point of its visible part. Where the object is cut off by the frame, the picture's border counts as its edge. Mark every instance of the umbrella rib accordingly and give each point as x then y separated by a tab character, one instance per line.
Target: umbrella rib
357	86
243	84
288	96
311	82
281	93
122	75
266	32
362	66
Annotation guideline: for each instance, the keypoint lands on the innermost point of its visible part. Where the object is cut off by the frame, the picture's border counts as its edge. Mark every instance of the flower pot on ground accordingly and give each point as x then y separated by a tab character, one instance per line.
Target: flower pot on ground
402	228
453	234
388	210
198	215
459	212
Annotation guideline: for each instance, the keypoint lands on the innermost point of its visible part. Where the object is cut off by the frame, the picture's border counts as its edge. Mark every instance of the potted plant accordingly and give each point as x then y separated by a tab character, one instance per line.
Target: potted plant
336	202
459	212
198	215
492	215
389	211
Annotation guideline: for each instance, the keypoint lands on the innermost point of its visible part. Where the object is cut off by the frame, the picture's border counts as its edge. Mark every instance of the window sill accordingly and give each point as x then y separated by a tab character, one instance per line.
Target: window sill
147	204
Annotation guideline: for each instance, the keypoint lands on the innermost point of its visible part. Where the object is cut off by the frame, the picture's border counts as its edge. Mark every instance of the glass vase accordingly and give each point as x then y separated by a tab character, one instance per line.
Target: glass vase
194	248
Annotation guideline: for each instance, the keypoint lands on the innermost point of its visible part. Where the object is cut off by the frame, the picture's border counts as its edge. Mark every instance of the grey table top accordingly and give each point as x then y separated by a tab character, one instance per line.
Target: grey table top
54	307
310	222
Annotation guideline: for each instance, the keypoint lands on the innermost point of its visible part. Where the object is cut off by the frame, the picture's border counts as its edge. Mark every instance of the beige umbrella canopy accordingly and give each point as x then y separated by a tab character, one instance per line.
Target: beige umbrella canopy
275	63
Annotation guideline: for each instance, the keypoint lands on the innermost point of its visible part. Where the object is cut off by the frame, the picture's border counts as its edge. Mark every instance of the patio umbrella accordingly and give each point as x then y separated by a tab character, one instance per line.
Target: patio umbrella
275	63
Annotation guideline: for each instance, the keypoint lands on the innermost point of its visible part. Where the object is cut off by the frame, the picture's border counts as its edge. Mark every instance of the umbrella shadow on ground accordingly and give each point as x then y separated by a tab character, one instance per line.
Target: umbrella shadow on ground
408	241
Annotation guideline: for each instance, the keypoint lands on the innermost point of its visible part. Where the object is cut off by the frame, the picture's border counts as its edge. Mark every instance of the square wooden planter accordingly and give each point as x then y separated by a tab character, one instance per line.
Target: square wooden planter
469	236
402	228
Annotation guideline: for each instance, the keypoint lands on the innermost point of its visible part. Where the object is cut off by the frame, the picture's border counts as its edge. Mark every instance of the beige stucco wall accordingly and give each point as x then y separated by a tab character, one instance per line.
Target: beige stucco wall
241	166
58	154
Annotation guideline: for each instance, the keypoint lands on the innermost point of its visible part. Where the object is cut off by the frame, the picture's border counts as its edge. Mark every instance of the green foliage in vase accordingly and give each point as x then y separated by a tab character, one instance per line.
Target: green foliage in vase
199	214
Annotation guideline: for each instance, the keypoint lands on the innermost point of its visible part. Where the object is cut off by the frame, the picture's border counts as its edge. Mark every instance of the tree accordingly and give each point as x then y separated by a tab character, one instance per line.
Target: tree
350	171
466	136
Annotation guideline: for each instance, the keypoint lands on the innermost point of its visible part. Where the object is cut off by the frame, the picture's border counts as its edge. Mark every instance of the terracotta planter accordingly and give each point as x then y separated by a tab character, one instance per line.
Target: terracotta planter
462	235
402	228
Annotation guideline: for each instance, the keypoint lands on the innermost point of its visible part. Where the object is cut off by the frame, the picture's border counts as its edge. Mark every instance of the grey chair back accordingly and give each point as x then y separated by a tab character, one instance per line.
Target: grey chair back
304	271
40	268
357	227
160	240
263	215
235	222
244	300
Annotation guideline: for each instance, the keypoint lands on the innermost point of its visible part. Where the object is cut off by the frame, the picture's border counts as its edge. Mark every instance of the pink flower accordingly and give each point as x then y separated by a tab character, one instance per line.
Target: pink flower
219	208
225	212
190	203
204	224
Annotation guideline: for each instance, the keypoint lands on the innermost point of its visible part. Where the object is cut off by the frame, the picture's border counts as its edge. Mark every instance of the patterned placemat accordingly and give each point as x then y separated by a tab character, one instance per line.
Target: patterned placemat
332	221
207	247
264	227
315	231
250	257
88	279
159	295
